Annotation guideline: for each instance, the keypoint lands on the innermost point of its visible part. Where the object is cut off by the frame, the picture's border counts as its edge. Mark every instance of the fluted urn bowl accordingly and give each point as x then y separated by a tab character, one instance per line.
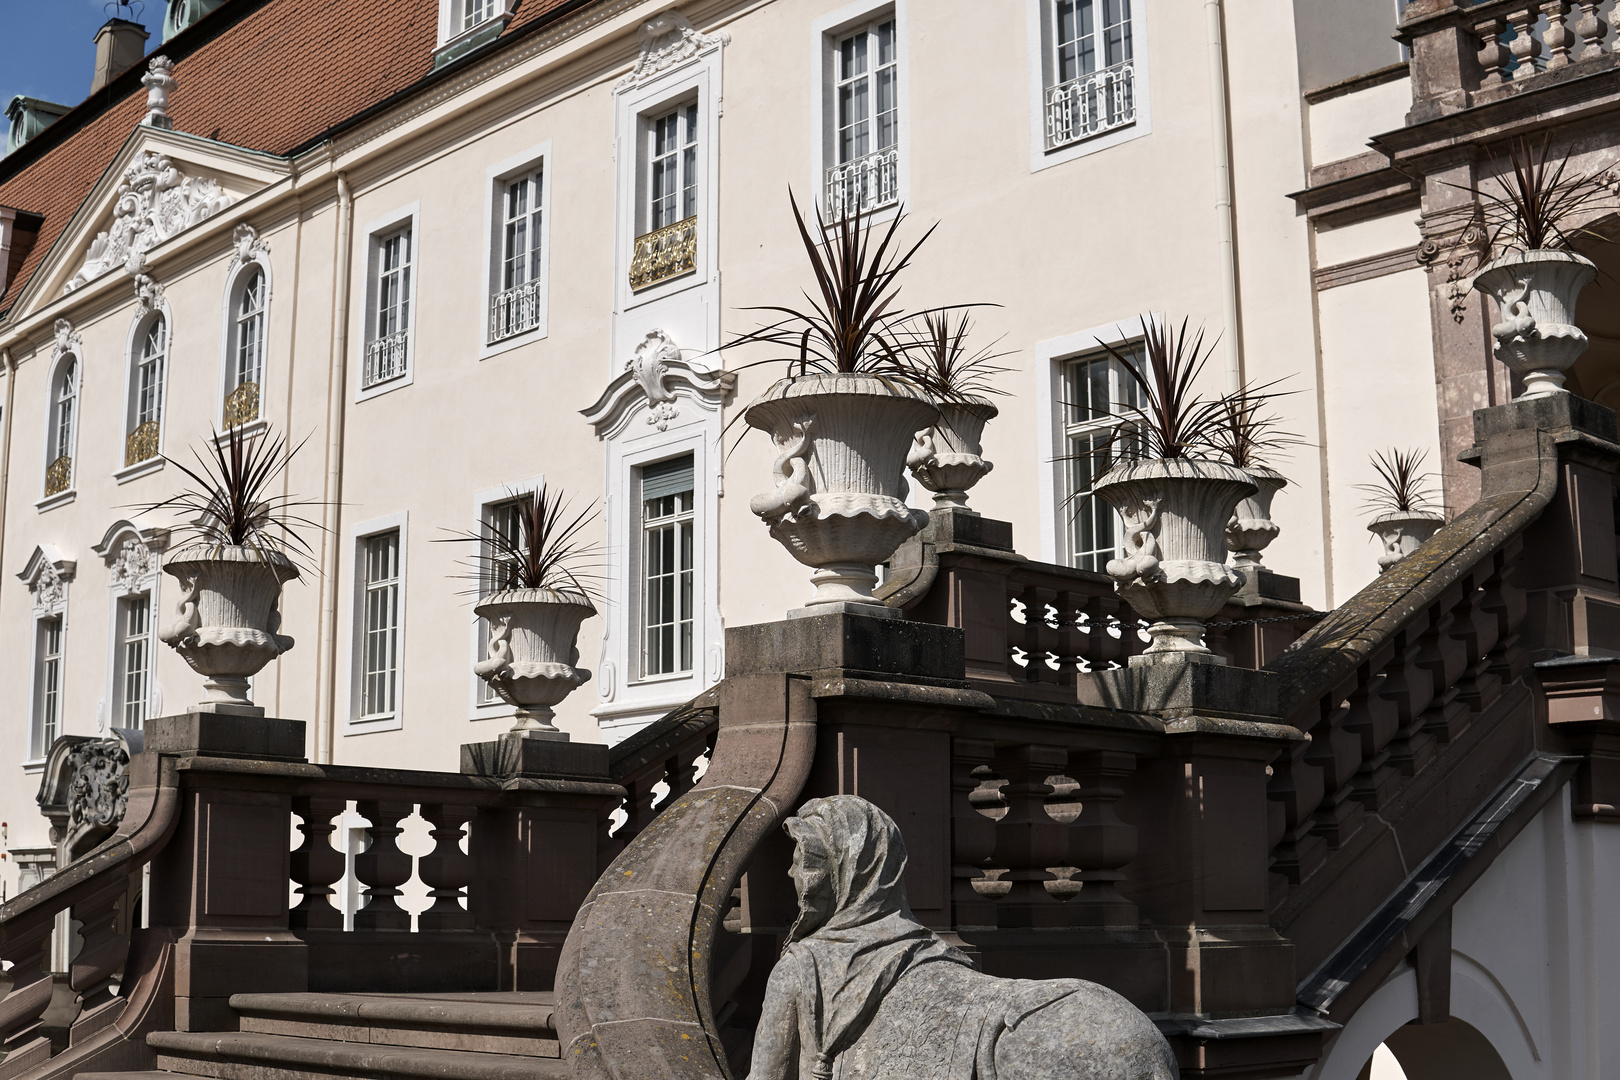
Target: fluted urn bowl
1536	293
228	620
533	651
1402	532
841	443
1174	568
1251	529
947	458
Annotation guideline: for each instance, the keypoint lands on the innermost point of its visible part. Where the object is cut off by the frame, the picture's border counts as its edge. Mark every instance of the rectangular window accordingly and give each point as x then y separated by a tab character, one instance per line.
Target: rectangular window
866	117
1093	86
1095	391
388	350
672	179
667	567
515	307
47	686
499	518
134	659
379	686
474	12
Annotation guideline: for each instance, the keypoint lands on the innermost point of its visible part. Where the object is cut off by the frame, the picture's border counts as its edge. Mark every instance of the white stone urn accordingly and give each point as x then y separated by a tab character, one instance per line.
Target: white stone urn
1401	532
533	651
1251	528
228	619
1174	569
841	443
947	458
1535	292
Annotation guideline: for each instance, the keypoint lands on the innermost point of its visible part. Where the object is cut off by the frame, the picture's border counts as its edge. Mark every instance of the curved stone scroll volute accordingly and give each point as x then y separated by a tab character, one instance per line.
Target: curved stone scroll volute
634	978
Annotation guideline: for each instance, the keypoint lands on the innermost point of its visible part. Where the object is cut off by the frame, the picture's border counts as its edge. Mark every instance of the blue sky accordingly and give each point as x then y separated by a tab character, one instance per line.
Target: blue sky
47	47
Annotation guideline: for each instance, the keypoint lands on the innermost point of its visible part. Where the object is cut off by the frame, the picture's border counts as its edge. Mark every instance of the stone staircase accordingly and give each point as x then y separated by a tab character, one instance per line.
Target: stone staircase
470	1036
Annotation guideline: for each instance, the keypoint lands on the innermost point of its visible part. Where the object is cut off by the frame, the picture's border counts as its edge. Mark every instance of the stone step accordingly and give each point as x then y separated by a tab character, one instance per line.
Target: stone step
251	1055
489	1023
149	1074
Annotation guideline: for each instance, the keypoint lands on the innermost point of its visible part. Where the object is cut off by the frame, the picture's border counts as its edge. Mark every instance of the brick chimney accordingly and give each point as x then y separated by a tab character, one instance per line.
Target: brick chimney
120	44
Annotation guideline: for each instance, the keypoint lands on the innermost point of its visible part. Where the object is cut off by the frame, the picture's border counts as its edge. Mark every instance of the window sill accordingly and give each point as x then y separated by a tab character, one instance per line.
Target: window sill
32	768
249	430
386	386
366	725
657	680
516	341
1091	144
139	469
51	502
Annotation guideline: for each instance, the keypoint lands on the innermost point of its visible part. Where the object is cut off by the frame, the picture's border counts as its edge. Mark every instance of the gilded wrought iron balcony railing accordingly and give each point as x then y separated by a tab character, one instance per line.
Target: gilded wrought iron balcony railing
142	443
871	181
514	311
386	358
664	253
242	405
58	476
1090	105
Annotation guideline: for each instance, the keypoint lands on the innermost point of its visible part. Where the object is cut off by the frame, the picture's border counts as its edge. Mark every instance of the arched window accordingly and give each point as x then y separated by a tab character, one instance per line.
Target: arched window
146	391
245	362
64	409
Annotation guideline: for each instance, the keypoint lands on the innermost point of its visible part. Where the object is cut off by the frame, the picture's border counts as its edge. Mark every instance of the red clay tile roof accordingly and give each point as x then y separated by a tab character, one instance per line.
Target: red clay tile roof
268	75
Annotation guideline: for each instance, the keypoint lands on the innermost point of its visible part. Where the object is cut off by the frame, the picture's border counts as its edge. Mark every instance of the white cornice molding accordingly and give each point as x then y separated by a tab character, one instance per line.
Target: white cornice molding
657	377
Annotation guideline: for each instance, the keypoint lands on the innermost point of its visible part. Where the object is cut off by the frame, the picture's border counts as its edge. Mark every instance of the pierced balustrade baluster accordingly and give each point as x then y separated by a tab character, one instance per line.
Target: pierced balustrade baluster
1559	37
1476	627
1102	648
973	837
1493	52
1038	637
1375	720
1029	841
1591	30
1100	842
1524	46
103	948
1337	753
1070	643
1411	689
22	1037
1296	786
316	865
682	768
383	867
1446	659
1508	603
447	871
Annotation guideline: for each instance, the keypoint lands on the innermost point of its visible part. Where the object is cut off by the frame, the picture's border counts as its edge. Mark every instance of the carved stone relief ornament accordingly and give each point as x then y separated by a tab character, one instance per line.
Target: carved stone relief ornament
667	41
156	201
132	565
656	374
67	340
1460	248
248	246
148	294
100	789
650	364
47	575
159	82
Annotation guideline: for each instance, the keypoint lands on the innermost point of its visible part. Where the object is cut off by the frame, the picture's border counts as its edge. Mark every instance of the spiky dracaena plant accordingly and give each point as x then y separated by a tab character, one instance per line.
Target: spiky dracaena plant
1539	198
1402	487
230	502
544	549
935	345
1249	432
1172	420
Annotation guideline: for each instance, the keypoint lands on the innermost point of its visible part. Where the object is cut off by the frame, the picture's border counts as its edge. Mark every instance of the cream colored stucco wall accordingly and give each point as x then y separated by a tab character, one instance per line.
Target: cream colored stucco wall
1341	125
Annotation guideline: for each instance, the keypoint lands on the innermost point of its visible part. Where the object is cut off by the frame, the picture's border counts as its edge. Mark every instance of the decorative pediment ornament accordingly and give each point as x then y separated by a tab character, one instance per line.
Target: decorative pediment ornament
667	41
47	575
158	81
156	201
656	375
131	555
67	340
148	293
248	246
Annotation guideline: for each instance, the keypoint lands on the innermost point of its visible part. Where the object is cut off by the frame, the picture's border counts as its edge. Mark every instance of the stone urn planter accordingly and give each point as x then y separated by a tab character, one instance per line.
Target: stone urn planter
533	652
947	458
1251	528
1535	292
229	620
1174	571
1401	532
841	443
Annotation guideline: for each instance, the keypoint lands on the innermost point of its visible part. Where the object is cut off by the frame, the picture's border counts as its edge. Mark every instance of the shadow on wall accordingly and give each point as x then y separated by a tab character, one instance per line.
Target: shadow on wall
1436	1052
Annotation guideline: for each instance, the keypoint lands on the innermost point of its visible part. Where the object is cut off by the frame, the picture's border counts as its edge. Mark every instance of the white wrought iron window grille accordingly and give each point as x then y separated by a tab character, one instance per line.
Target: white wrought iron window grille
388	351
667	567
247	366
499	518
515	307
59	469
1094	70
48	687
672	167
142	442
867	118
134	660
379	684
1095	391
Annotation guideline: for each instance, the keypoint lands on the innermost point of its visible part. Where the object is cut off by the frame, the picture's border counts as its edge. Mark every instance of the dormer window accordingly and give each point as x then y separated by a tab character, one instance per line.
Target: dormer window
28	117
182	13
474	12
464	25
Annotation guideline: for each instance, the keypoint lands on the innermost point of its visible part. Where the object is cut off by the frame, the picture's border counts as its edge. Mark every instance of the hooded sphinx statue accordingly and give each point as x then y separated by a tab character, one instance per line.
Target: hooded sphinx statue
863	990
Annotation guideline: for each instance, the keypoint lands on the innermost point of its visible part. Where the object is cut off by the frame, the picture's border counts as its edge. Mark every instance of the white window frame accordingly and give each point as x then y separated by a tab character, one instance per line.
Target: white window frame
537	159
45	604
454	34
53	419
143	322
354	722
123	640
120	587
373	236
483	705
1121	390
642	527
39	746
230	340
826	33
1040	20
1051	359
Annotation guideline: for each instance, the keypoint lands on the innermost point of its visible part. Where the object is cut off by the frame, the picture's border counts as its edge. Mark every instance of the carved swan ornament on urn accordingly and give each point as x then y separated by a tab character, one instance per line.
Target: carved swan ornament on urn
841	442
228	620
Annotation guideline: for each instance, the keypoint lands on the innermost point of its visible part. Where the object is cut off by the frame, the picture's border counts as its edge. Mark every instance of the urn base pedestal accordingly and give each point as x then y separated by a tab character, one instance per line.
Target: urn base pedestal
1184	684
514	755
